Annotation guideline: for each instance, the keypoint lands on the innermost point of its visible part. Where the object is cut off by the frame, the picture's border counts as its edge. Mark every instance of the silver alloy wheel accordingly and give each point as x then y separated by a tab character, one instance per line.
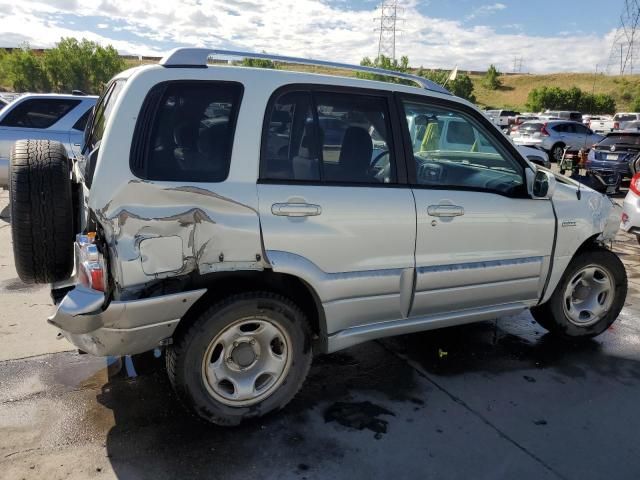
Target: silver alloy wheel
247	361
588	296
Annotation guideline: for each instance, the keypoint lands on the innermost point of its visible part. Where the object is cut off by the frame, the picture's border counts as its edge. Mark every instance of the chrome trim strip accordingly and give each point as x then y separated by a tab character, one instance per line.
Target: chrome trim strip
353	336
197	57
473	265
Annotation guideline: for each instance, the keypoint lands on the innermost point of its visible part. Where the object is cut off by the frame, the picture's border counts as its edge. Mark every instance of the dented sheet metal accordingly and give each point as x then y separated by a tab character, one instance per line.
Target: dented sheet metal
215	233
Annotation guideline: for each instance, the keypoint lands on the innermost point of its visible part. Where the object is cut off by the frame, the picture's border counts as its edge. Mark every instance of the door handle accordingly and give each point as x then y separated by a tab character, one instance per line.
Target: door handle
295	209
445	211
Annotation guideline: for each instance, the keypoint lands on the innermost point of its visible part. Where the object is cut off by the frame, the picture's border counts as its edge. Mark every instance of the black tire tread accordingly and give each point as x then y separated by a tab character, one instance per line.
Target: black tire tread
41	211
549	315
178	349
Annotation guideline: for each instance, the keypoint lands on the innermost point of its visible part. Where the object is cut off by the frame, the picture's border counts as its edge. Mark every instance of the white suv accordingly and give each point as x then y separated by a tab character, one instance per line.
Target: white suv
247	219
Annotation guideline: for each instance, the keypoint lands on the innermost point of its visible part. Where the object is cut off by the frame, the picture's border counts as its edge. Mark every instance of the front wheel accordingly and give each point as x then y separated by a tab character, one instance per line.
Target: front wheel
588	298
242	358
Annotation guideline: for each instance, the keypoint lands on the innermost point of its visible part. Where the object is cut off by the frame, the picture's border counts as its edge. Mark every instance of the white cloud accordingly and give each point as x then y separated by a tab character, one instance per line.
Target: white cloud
311	28
102	25
485	10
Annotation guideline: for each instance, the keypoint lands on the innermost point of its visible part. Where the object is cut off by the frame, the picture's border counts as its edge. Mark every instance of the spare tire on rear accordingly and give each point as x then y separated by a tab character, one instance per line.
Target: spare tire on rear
41	211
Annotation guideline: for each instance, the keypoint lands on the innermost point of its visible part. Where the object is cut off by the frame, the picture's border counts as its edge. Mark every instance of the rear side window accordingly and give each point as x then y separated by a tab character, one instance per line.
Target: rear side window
185	131
38	113
329	138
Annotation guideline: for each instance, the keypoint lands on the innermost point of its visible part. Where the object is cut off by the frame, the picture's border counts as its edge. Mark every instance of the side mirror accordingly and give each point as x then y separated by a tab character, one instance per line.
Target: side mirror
541	184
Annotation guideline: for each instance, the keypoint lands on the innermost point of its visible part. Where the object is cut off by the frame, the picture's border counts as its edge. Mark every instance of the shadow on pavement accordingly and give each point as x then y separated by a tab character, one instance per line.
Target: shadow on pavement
5	214
153	437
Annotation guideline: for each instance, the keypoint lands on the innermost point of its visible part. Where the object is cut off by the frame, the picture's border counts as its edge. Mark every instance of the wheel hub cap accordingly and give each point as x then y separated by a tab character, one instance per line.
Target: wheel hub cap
588	296
244	355
246	362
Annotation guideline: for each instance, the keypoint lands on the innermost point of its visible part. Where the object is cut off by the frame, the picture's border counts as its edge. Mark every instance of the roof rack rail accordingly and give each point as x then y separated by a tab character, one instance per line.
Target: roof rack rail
197	57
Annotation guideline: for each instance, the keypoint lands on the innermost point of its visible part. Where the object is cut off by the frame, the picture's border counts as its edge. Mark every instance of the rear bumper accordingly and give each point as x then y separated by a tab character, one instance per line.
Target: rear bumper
608	168
4	172
122	328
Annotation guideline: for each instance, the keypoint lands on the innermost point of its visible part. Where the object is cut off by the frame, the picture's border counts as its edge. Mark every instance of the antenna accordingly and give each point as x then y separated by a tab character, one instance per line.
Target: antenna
388	29
625	42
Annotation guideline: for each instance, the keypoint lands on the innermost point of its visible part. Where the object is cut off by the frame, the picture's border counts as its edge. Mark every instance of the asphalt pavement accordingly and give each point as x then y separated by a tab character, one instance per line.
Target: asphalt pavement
498	399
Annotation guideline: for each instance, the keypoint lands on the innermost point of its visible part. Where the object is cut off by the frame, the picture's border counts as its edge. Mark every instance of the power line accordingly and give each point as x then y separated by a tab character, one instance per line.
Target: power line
626	41
388	28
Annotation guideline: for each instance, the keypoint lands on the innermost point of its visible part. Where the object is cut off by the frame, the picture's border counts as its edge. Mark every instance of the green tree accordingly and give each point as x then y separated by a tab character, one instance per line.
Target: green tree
81	65
555	98
635	106
492	78
385	63
24	70
258	63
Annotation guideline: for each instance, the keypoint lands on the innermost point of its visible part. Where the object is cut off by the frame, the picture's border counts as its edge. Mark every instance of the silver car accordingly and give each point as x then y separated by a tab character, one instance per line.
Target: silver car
246	219
43	116
555	136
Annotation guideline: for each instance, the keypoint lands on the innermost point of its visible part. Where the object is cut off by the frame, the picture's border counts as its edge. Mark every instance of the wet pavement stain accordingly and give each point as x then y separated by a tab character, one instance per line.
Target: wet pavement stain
15	284
359	416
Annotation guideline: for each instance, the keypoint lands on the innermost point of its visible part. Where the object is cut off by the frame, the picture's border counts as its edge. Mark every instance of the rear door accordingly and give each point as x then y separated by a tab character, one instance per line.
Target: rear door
334	202
481	243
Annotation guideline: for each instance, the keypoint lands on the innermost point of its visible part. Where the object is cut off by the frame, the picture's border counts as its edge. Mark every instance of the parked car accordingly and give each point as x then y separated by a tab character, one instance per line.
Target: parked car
519	120
502	118
43	116
600	124
454	133
631	208
200	232
620	121
555	135
615	158
564	115
632	126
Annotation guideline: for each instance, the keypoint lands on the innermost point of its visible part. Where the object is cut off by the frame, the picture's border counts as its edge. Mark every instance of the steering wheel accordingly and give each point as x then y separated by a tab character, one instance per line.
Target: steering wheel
380	173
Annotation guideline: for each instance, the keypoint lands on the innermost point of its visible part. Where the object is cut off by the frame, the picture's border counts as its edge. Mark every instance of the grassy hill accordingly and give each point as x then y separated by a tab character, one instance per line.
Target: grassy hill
515	88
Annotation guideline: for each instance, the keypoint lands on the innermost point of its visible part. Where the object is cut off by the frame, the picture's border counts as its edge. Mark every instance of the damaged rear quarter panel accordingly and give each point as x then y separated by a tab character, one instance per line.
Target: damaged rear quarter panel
217	223
217	233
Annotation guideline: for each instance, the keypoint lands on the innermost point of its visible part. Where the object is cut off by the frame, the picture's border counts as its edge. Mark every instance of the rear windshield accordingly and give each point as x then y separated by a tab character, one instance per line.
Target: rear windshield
619	139
531	127
624	117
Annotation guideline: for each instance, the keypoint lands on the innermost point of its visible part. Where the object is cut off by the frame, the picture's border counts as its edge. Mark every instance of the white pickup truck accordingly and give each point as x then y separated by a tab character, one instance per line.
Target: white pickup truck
501	118
618	122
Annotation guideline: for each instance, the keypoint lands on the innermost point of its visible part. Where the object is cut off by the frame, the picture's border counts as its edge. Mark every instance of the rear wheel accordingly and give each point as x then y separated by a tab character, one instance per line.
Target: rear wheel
556	152
41	211
588	298
241	358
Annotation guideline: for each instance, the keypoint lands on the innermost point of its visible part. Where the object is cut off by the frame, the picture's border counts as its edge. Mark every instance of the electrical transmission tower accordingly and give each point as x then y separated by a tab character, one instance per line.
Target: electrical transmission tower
517	64
388	28
626	42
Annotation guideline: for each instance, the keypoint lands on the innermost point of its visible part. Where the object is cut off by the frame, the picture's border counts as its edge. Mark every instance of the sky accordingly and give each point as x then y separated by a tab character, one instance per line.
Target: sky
549	35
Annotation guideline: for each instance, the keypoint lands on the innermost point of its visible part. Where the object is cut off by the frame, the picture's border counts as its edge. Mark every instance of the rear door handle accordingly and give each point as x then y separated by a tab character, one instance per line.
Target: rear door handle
445	211
295	209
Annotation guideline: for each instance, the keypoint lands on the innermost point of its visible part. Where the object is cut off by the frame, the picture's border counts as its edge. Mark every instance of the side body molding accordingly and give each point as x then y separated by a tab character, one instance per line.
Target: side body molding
351	299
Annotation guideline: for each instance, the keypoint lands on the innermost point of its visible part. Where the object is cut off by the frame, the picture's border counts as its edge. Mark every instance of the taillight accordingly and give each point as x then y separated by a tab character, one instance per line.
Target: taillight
634	186
543	131
90	268
616	126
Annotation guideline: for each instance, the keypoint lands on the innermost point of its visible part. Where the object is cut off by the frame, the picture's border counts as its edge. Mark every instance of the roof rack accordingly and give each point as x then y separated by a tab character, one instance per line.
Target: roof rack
197	57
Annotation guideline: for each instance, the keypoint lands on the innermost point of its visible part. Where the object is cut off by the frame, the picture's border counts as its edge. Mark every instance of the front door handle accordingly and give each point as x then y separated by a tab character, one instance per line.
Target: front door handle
295	209
445	211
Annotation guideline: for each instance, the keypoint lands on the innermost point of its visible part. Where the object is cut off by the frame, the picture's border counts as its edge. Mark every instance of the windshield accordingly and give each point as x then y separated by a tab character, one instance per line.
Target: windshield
531	127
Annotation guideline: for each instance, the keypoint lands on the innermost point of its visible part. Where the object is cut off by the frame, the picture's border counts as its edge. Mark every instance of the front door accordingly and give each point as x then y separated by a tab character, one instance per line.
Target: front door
333	204
481	241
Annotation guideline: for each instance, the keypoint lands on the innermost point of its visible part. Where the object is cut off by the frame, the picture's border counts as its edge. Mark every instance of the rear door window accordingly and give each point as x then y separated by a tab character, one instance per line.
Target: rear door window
38	112
186	131
328	137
